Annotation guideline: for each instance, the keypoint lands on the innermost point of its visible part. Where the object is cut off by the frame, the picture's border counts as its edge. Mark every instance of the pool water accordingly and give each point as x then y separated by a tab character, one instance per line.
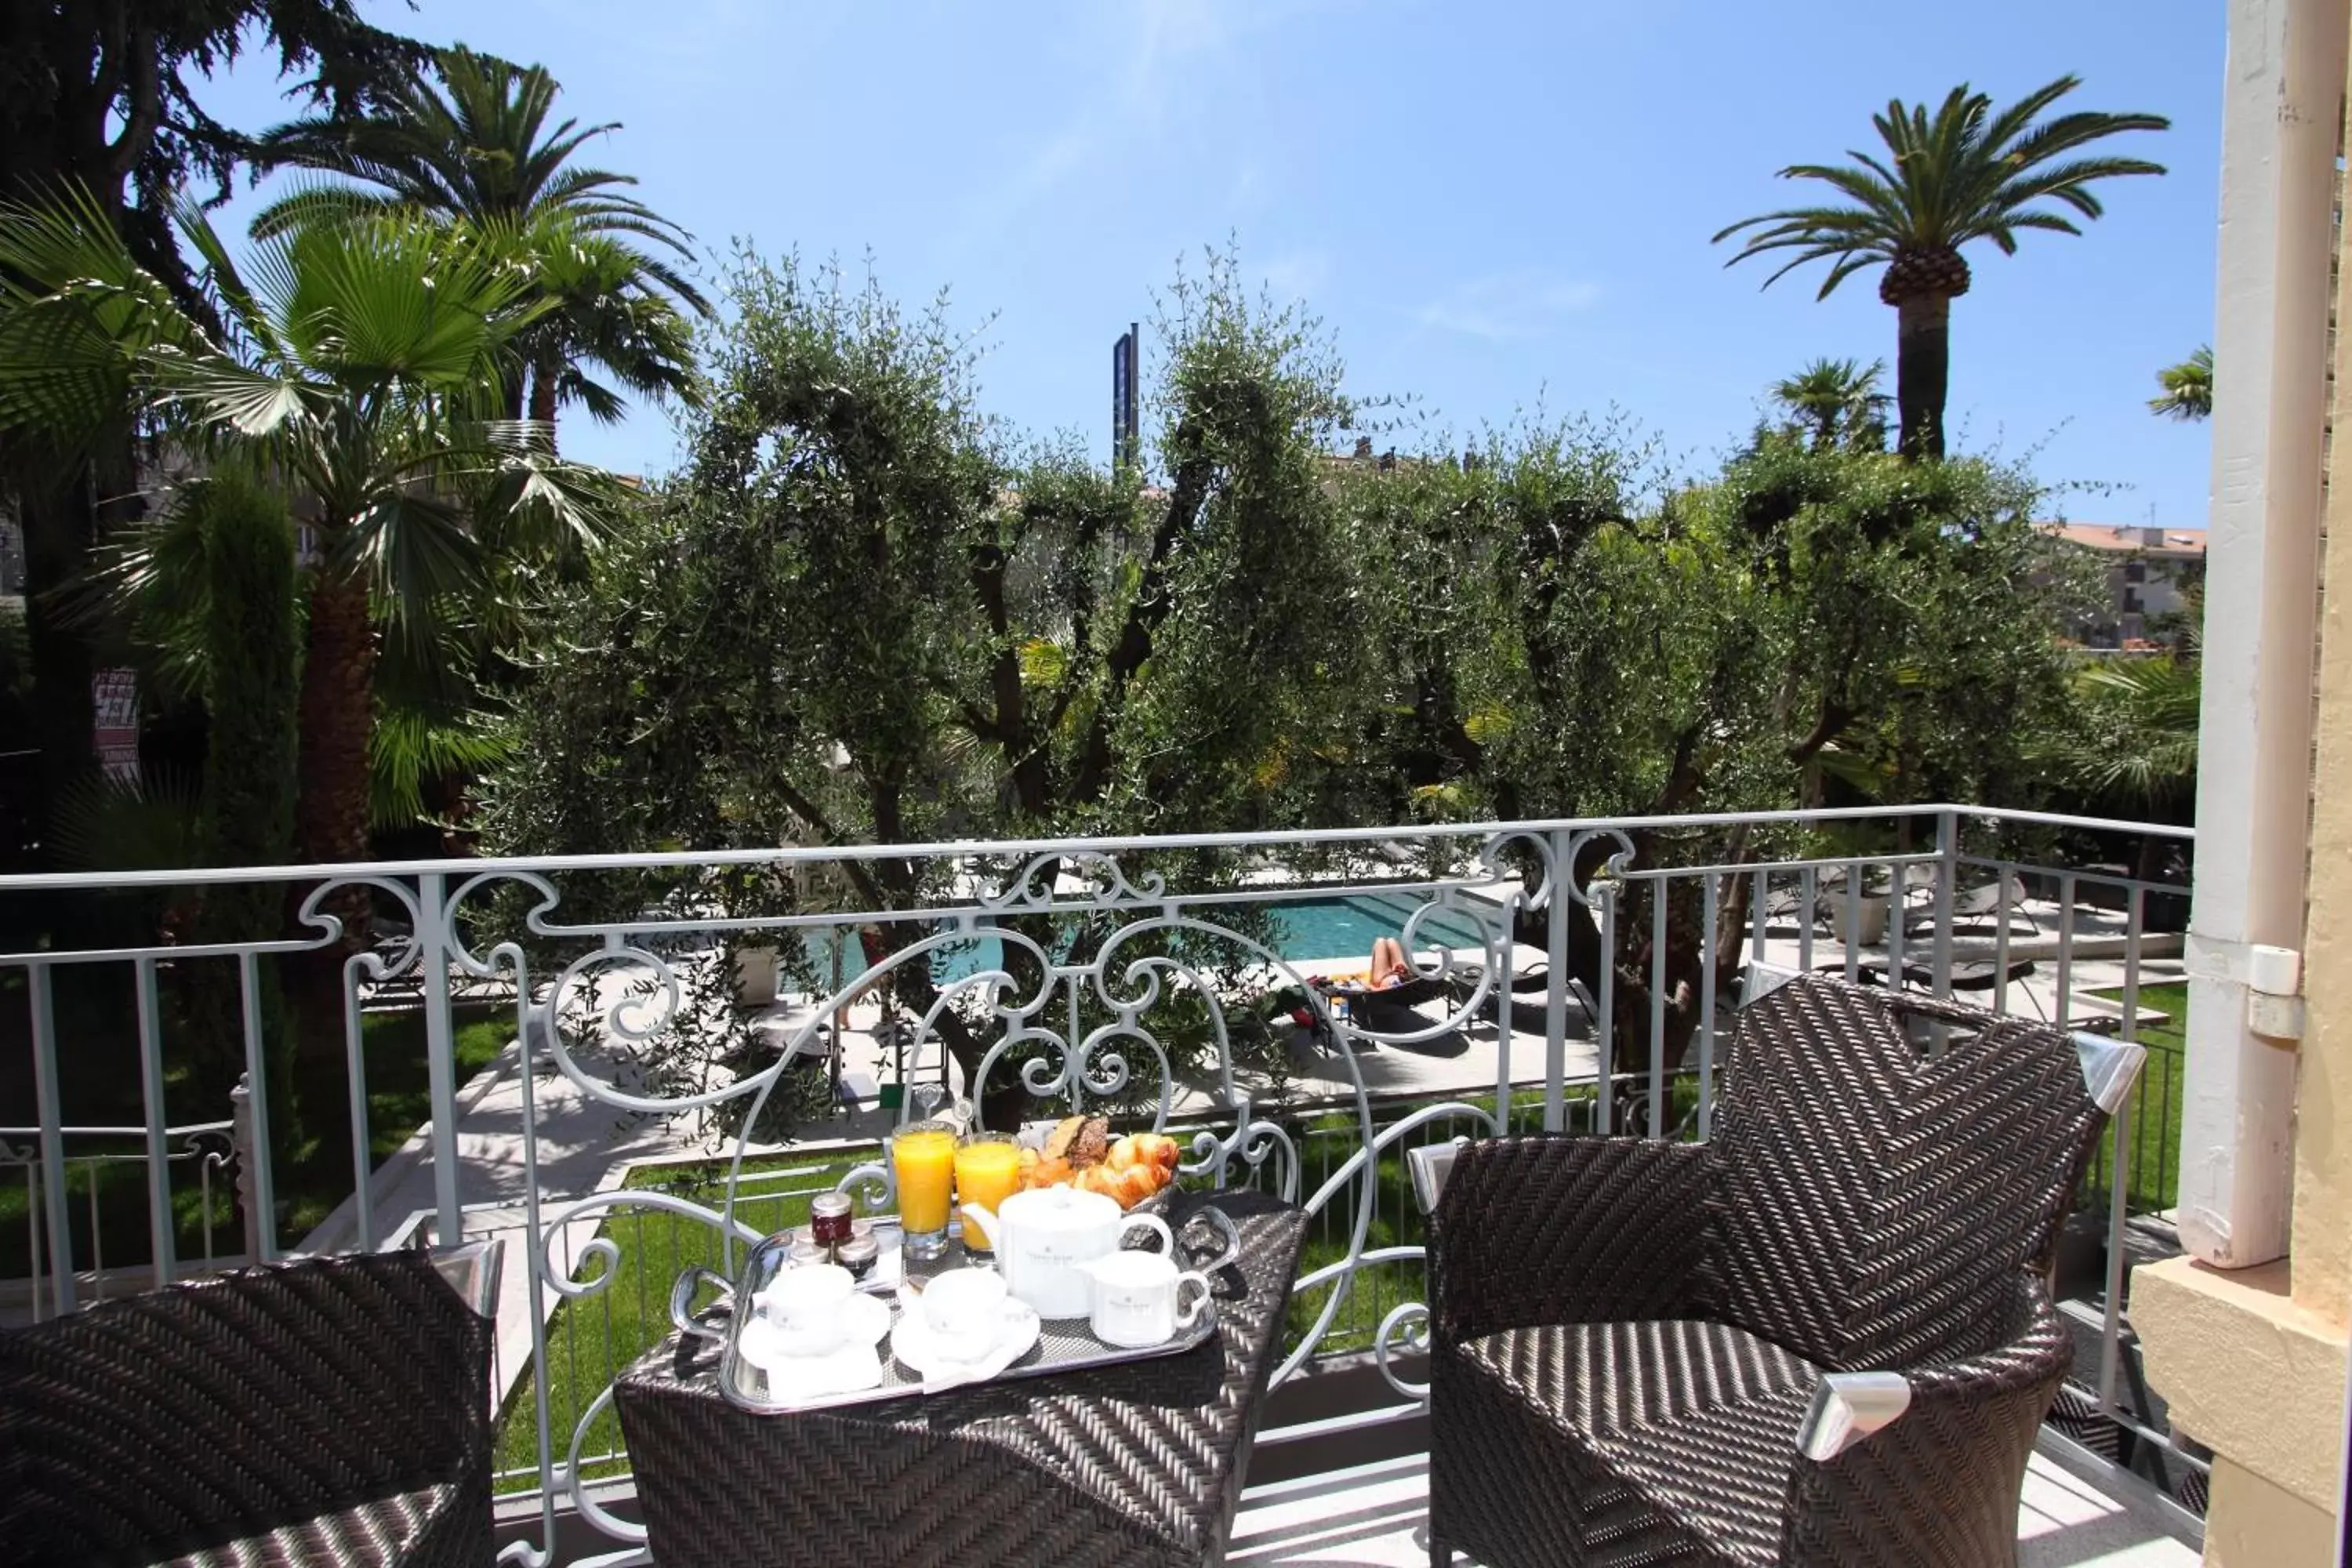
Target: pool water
1339	930
1346	927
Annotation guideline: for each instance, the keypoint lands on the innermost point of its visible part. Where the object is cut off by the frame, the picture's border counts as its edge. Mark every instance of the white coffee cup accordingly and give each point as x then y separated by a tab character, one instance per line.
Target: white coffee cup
964	1311
1138	1298
808	1307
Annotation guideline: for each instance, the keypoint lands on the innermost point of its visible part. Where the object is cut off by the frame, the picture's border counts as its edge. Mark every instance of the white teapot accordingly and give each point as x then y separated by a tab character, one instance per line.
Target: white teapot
1044	1236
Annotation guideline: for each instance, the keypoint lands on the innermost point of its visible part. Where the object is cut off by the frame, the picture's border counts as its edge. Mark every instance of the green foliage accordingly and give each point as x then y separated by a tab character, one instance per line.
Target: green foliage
2188	393
1963	173
477	151
152	822
1837	403
252	638
361	363
364	361
252	635
2128	742
108	95
1966	174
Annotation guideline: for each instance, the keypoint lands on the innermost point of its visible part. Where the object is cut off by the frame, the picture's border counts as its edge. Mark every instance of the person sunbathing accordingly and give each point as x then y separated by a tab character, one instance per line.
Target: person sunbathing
1390	966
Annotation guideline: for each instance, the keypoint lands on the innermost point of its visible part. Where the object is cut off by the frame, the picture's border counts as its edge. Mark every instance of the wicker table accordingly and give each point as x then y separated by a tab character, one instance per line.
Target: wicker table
1130	1465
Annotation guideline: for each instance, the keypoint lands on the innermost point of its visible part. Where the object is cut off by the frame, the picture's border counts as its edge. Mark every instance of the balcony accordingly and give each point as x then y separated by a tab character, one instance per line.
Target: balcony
629	1065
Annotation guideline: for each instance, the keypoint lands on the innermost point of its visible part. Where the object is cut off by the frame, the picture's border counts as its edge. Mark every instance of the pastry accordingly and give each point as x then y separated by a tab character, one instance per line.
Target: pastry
1065	1133
1134	1184
1160	1150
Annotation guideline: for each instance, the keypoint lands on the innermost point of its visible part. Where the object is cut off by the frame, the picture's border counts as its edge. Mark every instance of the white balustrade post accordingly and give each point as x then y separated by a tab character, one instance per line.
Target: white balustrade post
433	936
49	1112
248	1152
2281	115
1947	893
1563	877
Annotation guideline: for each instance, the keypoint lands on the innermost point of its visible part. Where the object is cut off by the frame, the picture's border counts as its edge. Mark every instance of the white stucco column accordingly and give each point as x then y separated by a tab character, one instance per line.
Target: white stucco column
2282	111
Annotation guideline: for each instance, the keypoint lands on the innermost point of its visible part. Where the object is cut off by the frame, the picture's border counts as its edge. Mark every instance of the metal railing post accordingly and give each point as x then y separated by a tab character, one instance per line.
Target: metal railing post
440	1052
161	1230
49	1112
1706	1009
255	1176
1563	876
1947	893
242	1141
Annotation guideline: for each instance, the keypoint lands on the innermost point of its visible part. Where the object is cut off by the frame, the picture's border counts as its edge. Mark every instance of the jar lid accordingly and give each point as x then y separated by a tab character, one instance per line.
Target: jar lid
857	1254
829	1204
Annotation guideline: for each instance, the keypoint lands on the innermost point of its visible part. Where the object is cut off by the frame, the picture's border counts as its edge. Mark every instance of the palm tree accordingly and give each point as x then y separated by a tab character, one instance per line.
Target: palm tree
2187	388
479	149
364	363
1839	400
601	312
1965	174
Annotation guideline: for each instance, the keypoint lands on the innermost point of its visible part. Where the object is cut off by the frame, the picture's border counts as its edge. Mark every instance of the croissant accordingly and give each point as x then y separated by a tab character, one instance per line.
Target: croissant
1048	1172
1125	1151
1160	1150
1098	1179
1134	1184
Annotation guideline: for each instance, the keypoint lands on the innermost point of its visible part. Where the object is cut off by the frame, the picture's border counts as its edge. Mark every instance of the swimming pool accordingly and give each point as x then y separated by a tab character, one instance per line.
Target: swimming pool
1345	927
1324	929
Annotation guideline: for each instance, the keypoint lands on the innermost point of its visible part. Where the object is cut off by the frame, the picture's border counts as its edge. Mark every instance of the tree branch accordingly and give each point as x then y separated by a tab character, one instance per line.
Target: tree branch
1150	607
860	876
144	112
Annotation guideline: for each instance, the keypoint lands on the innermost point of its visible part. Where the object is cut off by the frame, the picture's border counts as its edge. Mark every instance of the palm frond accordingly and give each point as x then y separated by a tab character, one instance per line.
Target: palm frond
1958	172
2188	387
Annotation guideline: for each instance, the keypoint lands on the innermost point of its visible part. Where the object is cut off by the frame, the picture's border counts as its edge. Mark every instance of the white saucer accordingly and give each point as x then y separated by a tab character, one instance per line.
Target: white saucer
851	1366
918	1348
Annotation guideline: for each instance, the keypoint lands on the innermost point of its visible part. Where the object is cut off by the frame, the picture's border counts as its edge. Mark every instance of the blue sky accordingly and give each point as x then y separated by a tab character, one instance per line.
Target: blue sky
1493	205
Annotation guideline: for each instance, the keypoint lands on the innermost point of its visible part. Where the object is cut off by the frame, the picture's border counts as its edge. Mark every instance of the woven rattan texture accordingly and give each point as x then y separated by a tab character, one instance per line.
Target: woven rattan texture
1116	1467
327	1411
1873	1193
1865	1204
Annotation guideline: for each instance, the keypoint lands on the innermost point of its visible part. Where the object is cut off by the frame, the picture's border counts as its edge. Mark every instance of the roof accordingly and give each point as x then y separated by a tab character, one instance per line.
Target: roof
2177	544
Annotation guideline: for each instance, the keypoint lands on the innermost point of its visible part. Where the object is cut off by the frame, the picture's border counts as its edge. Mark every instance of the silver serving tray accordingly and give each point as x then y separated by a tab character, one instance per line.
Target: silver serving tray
1064	1344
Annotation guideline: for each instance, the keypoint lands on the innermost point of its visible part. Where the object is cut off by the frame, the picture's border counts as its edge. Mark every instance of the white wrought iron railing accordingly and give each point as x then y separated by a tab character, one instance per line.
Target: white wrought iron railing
1574	974
185	1178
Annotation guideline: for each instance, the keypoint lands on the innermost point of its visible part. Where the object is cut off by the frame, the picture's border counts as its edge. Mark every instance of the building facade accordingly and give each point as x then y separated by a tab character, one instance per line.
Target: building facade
2152	575
2245	1336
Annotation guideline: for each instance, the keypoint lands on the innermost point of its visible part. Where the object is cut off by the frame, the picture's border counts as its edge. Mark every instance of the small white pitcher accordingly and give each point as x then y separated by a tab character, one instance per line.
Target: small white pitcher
1139	1299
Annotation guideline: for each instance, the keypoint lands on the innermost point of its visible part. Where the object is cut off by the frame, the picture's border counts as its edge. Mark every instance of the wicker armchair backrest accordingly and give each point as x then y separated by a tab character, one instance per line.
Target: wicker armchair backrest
1878	1188
232	1406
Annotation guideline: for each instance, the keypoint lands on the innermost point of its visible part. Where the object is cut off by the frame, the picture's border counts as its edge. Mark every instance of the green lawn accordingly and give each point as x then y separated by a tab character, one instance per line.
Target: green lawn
591	1338
2154	1111
311	1176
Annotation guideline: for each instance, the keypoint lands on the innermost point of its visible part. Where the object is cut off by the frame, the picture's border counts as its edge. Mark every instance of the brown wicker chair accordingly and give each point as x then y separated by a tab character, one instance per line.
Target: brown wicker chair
330	1410
1820	1338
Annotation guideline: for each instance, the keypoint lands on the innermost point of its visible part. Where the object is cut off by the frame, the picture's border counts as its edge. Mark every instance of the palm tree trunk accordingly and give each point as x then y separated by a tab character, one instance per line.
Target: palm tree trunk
337	712
542	394
1923	360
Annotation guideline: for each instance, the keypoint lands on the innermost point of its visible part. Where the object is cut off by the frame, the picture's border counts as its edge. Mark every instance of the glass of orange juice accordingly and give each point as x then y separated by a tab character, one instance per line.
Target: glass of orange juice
987	1171
922	1157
